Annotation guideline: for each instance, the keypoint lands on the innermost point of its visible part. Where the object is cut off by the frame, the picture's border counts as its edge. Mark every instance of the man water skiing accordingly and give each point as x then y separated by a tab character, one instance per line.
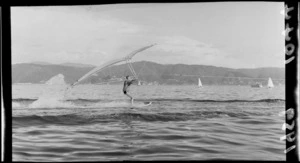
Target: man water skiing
127	83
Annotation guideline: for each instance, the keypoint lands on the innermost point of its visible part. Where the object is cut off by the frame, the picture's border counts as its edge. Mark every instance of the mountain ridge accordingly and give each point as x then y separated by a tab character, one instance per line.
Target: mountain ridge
148	72
76	64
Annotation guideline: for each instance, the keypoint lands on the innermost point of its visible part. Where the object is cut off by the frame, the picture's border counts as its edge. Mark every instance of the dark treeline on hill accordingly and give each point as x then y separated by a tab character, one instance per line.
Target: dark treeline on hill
149	72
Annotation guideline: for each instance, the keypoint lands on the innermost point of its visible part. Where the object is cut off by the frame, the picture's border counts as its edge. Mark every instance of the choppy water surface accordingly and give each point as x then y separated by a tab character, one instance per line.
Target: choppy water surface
97	123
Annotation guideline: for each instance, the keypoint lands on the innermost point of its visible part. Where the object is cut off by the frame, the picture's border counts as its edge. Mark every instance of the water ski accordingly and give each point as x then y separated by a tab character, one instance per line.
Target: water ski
141	104
147	103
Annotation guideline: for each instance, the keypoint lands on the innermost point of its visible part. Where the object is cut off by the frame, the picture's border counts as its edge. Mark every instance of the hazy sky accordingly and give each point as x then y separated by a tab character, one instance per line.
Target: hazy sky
227	34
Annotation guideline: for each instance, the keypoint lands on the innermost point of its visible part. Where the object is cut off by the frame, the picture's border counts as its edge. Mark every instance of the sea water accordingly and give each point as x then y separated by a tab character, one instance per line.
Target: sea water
98	123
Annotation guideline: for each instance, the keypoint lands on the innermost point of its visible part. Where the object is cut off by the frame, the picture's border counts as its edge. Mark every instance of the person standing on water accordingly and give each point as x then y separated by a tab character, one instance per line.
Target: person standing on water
127	83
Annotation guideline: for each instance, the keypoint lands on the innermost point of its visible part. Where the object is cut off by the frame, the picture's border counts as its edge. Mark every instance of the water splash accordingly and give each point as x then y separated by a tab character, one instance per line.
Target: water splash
56	80
51	98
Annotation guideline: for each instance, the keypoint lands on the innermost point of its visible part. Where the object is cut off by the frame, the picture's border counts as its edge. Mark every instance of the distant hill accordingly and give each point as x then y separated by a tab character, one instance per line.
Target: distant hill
41	63
36	73
148	72
76	64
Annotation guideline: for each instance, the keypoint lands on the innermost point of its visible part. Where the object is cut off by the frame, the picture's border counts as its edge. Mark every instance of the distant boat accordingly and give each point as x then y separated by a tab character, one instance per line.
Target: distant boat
257	85
139	83
270	83
199	83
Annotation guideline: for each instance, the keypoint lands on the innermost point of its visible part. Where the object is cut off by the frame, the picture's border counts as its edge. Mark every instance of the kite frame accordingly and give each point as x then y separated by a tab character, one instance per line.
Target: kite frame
112	62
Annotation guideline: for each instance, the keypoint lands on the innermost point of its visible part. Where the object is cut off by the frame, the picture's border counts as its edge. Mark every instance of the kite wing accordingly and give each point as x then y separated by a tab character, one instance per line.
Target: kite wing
112	62
97	69
129	56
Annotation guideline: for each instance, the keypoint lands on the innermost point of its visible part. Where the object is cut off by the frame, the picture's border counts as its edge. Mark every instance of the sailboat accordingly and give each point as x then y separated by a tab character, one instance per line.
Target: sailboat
270	83
199	83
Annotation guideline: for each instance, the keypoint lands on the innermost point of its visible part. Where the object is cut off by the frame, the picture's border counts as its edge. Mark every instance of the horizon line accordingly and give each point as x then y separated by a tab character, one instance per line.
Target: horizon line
90	65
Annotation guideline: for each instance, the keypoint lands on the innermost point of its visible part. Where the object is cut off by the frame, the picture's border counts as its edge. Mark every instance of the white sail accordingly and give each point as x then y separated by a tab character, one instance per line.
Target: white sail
199	83
270	83
112	62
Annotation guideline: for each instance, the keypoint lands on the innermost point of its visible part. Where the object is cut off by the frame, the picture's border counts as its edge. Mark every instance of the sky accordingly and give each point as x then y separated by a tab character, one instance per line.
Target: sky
223	34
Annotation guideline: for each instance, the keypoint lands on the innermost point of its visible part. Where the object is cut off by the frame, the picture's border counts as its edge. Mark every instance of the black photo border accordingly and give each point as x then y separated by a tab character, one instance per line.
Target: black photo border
291	72
291	67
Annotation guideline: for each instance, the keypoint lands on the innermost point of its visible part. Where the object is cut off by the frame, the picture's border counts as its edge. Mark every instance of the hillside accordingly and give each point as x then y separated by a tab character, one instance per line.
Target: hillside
76	64
35	73
148	72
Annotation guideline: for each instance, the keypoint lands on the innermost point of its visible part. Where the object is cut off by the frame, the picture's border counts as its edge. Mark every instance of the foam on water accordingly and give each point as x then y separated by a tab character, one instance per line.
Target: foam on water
50	102
52	98
112	104
55	97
